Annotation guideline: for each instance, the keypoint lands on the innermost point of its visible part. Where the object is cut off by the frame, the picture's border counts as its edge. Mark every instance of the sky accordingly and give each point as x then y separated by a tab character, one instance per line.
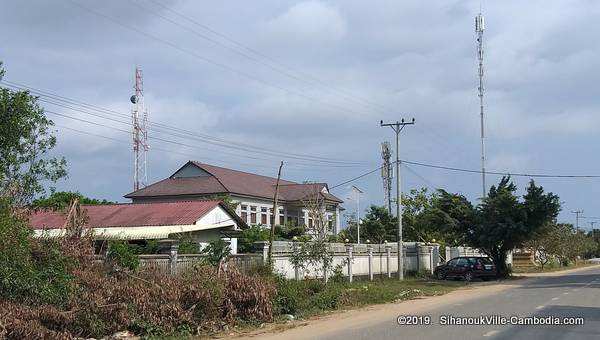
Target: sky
314	78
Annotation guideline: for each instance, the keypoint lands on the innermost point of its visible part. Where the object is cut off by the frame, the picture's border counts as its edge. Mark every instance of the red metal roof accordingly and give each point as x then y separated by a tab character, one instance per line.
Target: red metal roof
223	180
130	214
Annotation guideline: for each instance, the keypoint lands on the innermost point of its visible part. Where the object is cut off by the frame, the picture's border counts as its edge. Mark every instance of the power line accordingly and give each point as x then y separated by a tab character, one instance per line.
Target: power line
270	62
216	63
356	178
178	132
188	145
504	173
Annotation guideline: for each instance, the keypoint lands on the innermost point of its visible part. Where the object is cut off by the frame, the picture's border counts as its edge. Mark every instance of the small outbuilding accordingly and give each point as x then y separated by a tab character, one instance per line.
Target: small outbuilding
202	220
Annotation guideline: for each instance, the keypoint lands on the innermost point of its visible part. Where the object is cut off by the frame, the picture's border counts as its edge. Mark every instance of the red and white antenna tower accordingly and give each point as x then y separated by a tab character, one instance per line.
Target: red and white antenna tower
140	133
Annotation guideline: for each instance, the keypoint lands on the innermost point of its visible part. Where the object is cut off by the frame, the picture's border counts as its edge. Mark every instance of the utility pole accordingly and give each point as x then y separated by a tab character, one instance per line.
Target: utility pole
592	225
577	212
357	192
397	127
275	215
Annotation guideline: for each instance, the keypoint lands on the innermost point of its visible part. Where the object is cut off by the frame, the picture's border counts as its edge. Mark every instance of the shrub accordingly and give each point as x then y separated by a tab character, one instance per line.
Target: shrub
123	254
31	270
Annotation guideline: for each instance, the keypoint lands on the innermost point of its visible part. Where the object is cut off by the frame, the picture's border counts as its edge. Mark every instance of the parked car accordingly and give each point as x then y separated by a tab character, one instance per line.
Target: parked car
467	268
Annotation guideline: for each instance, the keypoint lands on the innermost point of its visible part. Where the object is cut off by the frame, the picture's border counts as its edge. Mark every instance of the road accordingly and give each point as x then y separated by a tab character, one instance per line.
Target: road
570	294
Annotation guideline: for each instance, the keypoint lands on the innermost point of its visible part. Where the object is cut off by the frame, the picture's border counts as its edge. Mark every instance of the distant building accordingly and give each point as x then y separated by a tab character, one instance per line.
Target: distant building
202	220
254	193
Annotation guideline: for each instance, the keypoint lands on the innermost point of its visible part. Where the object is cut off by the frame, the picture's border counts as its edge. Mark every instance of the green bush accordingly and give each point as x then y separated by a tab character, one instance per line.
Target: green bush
123	254
31	270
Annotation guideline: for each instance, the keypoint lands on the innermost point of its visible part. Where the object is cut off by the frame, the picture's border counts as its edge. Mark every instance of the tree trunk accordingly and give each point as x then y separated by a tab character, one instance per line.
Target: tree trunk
499	258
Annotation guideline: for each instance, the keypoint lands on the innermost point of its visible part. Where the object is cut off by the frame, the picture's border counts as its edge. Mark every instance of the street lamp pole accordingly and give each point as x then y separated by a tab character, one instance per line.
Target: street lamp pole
397	127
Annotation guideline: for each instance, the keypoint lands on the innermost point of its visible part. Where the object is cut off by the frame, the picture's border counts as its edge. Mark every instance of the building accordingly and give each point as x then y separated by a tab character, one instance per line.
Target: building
253	193
202	220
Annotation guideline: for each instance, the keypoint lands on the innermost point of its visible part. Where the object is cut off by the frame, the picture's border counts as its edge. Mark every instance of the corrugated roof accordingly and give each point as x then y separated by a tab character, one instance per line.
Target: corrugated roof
130	214
224	180
181	186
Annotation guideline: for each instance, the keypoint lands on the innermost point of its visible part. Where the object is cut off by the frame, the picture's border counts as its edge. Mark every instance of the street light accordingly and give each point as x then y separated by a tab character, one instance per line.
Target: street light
357	193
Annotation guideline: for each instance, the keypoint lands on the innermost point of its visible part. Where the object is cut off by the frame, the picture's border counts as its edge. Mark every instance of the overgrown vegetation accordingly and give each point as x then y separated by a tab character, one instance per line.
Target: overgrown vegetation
309	297
54	289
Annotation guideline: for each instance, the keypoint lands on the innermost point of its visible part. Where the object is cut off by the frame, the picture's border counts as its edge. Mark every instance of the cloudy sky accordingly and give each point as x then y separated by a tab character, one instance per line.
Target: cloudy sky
314	78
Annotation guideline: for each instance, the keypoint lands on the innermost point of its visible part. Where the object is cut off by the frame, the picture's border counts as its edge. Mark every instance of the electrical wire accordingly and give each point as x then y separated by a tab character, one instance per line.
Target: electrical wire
255	55
181	133
215	63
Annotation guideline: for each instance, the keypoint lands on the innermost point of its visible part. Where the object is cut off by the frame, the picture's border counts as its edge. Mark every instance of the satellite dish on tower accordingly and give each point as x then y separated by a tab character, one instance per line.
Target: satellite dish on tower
134	99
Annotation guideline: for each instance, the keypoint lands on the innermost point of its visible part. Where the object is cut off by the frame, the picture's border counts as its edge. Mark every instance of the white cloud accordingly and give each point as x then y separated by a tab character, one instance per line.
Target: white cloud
306	23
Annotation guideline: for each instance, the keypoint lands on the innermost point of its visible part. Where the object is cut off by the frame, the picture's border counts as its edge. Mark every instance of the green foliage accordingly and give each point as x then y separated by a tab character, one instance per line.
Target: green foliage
25	140
377	226
59	200
217	252
309	297
33	271
123	254
187	245
252	234
500	223
289	231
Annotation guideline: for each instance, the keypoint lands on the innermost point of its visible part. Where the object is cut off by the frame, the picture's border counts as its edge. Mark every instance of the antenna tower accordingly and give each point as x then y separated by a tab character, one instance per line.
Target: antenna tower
386	174
479	28
139	117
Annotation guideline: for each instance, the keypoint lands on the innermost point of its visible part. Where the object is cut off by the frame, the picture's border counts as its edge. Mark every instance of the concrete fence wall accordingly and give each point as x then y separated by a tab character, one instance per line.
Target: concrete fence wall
356	259
353	259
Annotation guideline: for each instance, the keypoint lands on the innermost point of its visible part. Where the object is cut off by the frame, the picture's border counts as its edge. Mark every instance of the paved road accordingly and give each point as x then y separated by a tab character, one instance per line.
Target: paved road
574	294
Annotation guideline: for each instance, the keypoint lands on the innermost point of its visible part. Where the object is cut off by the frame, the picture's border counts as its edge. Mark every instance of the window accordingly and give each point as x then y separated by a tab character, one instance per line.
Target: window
244	216
244	207
263	218
253	218
462	262
281	220
252	208
453	262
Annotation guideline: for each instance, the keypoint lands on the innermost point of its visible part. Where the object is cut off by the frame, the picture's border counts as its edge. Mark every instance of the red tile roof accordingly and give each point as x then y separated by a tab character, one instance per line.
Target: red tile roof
130	214
223	180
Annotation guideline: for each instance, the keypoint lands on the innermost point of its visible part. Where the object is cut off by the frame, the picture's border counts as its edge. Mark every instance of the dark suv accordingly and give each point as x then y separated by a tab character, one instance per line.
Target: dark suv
466	267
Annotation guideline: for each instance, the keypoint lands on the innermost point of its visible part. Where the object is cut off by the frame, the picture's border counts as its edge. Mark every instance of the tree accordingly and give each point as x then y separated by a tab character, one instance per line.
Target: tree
60	200
500	223
377	226
315	252
25	141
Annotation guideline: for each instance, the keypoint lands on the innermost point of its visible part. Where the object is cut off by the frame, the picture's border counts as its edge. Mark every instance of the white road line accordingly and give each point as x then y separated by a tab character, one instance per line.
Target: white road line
576	289
539	307
554	299
490	333
566	293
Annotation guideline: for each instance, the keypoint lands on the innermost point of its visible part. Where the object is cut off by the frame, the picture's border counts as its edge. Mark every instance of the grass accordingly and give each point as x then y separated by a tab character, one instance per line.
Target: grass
311	297
552	268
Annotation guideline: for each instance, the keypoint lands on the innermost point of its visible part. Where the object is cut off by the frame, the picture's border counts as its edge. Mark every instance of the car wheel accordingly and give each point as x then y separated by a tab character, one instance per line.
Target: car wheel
440	275
468	276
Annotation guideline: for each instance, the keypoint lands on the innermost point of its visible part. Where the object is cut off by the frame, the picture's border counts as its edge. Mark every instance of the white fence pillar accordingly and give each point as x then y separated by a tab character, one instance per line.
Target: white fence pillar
370	250
388	250
349	248
173	258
